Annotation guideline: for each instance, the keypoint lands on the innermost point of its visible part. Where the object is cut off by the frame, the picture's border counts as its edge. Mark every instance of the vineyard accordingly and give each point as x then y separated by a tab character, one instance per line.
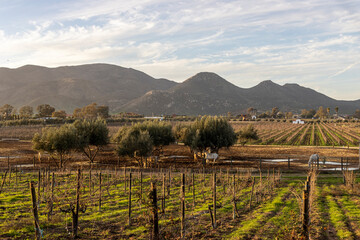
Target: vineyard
168	204
309	134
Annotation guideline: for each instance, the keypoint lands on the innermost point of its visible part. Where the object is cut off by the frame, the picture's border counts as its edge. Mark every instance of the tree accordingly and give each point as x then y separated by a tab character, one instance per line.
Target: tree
247	134
210	132
328	112
134	143
289	115
159	132
59	114
91	136
92	111
357	114
274	112
45	110
58	142
320	113
26	112
6	111
337	110
180	132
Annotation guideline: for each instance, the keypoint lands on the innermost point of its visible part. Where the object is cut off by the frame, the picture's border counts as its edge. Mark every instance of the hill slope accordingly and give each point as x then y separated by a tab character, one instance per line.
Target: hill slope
208	93
75	86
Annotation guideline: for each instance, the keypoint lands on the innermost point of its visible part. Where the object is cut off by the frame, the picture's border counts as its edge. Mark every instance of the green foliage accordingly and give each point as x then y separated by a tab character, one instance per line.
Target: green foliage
26	112
45	110
180	132
140	139
134	142
56	141
91	133
210	132
247	134
92	111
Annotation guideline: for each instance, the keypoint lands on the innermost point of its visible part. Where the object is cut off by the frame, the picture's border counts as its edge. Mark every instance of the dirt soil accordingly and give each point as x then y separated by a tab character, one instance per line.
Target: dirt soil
20	152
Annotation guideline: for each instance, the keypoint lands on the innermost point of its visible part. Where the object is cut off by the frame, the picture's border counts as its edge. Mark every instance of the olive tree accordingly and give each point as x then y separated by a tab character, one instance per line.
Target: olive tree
91	136
210	133
58	142
134	143
160	135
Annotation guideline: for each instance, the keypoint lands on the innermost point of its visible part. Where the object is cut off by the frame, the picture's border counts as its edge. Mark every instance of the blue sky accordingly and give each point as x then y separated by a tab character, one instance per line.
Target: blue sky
315	43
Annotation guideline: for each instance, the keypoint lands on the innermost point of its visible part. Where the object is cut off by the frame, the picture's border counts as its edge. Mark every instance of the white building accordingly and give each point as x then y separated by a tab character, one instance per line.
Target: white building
298	121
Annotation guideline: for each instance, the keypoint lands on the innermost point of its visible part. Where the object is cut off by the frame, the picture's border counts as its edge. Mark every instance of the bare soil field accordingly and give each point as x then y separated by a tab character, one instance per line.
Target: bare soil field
21	153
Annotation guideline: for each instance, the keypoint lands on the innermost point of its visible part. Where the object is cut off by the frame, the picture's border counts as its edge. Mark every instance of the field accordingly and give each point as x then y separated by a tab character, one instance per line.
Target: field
258	190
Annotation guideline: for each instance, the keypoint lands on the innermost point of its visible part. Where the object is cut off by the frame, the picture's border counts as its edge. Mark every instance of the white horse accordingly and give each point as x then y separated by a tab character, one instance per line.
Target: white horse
211	156
313	159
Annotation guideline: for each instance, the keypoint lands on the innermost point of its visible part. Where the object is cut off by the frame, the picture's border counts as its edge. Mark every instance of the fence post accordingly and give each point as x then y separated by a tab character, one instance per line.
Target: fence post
214	199
75	212
342	164
163	193
252	192
130	178
100	192
288	162
193	188
305	223
35	211
234	199
182	205
154	208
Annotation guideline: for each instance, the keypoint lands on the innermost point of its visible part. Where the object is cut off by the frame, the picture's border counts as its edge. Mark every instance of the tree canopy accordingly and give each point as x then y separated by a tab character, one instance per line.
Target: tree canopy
45	110
91	136
92	111
58	142
210	132
26	111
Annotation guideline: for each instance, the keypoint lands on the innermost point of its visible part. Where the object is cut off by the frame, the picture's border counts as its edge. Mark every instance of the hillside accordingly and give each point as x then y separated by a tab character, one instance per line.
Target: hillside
75	86
208	93
126	89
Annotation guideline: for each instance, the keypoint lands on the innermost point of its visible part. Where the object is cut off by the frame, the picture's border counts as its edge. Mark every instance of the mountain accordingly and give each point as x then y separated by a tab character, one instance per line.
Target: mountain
208	93
126	89
75	86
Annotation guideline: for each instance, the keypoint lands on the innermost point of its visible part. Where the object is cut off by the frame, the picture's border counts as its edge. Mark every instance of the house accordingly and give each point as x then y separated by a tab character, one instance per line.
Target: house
298	121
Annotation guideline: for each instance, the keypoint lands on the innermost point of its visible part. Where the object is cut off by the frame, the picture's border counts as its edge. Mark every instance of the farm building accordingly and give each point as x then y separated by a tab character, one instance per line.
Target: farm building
298	121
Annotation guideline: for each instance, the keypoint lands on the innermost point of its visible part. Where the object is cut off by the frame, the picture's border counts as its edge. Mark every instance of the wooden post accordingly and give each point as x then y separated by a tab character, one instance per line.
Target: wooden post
163	194
90	184
34	162
125	179
100	192
193	189
234	198
130	178
141	187
35	211
214	199
52	196
260	164
39	185
8	160
3	181
288	162
154	208
342	164
75	212
252	192
169	186
182	205
305	222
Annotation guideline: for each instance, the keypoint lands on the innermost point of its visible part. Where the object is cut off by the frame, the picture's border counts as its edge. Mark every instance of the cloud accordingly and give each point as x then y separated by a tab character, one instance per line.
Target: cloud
243	41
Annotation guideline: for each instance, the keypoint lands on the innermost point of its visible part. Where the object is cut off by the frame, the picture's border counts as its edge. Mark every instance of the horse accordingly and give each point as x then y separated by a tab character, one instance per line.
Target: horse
209	156
313	159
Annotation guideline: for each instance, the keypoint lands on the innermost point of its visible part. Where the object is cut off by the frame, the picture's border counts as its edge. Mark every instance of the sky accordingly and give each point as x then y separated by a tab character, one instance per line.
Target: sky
315	43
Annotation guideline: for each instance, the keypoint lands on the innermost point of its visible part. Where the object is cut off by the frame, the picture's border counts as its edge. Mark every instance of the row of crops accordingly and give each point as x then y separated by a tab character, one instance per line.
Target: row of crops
119	205
309	134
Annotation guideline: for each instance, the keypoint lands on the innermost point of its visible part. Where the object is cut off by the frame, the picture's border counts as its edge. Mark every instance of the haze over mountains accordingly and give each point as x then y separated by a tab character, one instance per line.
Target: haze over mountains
126	89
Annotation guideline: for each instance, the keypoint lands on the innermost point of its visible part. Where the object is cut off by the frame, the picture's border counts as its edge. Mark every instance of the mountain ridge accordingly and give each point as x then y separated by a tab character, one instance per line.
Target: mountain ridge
127	89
